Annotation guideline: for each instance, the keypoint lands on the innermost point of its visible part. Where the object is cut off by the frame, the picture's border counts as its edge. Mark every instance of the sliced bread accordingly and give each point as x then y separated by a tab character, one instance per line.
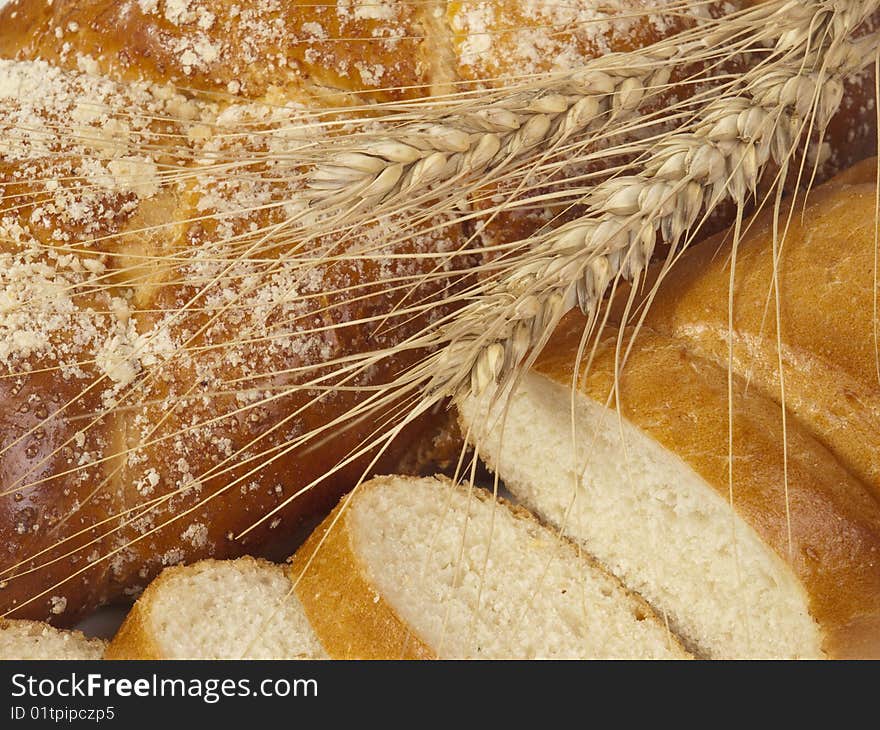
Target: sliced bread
217	609
774	556
37	640
419	568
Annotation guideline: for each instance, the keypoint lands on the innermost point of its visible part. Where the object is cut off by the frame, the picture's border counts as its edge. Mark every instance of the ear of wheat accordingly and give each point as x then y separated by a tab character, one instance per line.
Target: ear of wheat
687	174
719	154
455	141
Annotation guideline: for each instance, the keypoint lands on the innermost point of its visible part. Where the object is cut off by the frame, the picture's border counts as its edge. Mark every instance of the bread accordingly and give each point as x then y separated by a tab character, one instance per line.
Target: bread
156	377
248	48
36	640
827	287
168	336
217	609
156	383
776	555
383	562
166	339
417	568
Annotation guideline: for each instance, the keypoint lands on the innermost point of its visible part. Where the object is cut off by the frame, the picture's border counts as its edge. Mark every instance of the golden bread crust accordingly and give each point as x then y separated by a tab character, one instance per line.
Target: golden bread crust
382	50
509	38
826	282
231	47
135	639
157	349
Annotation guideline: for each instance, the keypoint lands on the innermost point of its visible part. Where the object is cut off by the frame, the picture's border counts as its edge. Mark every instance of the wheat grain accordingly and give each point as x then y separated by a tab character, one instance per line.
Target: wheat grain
399	160
687	175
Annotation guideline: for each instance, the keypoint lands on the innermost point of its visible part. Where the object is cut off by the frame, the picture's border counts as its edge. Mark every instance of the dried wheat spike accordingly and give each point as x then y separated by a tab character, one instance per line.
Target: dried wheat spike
467	138
687	174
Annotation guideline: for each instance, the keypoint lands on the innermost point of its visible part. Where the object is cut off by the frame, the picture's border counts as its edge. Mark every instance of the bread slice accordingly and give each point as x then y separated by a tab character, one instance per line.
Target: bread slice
36	640
418	568
764	560
217	609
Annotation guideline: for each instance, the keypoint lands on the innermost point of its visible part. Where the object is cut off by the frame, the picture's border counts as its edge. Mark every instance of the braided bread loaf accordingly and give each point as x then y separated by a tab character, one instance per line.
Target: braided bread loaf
169	337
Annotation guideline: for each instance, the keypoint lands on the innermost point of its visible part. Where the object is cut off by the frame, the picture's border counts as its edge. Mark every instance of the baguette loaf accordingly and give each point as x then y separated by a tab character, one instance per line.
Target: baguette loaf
418	568
36	640
217	609
762	540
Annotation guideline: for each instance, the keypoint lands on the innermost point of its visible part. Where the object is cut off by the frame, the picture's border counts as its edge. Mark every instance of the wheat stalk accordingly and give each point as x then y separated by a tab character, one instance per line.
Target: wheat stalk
420	155
687	174
461	142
